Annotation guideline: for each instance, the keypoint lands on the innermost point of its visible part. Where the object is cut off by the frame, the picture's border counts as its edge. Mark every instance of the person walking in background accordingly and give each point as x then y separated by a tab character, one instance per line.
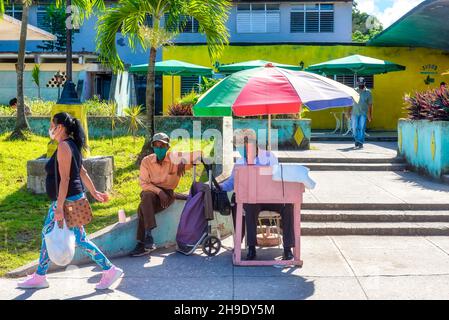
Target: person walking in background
360	112
13	104
67	186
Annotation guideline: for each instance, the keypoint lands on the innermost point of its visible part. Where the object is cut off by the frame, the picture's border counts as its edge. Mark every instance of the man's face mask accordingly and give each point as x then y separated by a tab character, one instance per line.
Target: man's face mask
361	86
160	153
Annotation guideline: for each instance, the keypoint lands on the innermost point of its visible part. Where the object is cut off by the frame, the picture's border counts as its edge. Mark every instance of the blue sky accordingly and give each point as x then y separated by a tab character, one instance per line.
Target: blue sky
387	11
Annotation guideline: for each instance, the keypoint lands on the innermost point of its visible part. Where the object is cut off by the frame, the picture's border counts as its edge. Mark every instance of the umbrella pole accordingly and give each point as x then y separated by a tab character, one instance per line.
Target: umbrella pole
269	133
172	89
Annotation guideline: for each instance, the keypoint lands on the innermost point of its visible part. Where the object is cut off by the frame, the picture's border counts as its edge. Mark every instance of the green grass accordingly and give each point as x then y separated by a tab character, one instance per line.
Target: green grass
22	213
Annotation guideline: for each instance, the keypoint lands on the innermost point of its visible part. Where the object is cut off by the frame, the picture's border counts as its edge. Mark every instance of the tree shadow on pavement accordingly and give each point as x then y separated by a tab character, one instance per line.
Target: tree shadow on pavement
169	275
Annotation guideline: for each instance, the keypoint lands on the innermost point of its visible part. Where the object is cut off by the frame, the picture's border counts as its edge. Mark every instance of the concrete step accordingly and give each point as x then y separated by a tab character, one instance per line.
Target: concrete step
342	160
356	166
375	206
316	138
374	216
377	229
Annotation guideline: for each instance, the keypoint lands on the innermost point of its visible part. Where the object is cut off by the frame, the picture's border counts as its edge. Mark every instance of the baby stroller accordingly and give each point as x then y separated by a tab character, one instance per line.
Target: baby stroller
194	228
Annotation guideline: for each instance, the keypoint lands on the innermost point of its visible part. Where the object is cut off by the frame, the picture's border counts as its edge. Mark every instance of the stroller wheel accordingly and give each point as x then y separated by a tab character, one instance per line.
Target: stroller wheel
211	245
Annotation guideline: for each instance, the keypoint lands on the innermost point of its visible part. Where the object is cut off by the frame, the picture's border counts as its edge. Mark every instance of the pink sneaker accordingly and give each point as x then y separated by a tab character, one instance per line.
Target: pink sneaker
34	281
109	277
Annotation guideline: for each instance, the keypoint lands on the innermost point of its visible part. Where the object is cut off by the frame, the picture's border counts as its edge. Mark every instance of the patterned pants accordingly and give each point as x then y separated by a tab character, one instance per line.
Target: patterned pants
81	240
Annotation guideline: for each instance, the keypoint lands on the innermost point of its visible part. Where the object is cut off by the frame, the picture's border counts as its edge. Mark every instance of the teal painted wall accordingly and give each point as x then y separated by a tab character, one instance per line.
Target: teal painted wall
286	131
425	145
100	127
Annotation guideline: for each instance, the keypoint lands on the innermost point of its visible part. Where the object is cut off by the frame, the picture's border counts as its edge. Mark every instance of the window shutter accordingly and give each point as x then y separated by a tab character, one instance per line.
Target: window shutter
312	23
243	22
297	22
258	21
273	21
41	15
326	21
188	84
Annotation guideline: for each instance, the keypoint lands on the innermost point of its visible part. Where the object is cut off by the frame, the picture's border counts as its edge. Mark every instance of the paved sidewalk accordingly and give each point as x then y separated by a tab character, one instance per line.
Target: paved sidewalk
337	267
366	187
344	150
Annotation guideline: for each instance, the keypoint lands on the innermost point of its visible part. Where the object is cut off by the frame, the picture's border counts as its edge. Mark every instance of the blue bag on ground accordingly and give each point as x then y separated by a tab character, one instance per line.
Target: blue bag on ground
60	244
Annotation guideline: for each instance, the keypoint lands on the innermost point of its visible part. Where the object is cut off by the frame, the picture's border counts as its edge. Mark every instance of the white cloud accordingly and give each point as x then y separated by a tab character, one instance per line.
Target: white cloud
390	12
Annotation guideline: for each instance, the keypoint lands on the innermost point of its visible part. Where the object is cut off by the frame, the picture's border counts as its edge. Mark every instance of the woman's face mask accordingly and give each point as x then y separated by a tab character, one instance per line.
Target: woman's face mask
51	132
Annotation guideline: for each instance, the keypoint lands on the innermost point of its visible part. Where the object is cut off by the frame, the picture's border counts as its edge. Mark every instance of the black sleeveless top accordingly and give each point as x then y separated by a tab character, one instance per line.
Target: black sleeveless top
75	186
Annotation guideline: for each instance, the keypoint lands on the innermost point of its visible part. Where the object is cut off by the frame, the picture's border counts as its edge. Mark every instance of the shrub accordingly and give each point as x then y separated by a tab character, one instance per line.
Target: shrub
40	107
97	107
184	106
179	109
431	105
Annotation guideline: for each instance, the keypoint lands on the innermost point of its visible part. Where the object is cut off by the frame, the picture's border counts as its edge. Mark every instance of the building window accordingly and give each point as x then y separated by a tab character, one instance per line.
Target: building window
41	15
191	25
351	80
258	18
312	18
188	84
14	10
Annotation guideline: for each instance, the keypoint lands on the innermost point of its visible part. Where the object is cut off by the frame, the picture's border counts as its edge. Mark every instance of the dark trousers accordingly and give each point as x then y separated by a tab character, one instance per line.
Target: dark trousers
252	214
150	204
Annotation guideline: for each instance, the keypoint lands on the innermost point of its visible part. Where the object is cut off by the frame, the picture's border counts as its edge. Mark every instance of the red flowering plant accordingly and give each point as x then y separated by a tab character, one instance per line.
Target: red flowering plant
430	105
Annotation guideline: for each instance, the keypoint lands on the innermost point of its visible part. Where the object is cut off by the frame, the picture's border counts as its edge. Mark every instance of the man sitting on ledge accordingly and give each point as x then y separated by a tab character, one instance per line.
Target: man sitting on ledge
160	173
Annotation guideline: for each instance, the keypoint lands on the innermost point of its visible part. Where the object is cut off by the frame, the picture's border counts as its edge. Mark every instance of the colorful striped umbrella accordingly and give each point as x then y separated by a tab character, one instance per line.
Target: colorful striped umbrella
235	67
270	90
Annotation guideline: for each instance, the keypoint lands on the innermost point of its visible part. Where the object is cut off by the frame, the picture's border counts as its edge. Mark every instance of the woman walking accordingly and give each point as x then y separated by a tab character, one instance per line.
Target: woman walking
71	175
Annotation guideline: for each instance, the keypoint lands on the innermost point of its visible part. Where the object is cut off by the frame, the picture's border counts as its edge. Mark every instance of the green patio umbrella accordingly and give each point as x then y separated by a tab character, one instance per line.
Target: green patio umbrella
356	65
174	68
235	67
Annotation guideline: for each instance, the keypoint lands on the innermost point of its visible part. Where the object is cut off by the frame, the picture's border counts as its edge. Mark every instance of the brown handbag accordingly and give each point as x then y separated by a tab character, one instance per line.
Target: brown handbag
77	213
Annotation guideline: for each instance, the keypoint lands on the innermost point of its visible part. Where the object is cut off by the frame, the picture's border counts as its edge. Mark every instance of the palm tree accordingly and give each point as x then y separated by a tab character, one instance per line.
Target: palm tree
21	122
130	17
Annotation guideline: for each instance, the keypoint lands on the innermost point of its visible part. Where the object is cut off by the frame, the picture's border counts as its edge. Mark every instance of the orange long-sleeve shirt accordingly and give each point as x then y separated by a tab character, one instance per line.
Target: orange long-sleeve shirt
154	176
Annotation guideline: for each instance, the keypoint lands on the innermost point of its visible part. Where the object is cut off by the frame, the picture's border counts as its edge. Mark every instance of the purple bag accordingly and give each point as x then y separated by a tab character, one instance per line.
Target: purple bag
193	223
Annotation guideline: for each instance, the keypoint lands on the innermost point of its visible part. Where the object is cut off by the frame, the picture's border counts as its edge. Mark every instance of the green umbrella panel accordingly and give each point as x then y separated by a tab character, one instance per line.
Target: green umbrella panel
235	67
355	64
175	68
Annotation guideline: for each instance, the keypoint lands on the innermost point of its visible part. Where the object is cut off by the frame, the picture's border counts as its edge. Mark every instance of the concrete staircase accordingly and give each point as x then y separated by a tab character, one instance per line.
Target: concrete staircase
365	218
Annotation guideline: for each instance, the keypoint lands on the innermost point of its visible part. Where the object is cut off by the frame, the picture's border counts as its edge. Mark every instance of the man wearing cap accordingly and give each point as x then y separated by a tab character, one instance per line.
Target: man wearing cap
160	173
360	112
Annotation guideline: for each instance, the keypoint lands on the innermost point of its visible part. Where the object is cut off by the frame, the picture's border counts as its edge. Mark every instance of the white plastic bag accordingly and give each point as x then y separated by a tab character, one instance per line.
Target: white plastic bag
60	244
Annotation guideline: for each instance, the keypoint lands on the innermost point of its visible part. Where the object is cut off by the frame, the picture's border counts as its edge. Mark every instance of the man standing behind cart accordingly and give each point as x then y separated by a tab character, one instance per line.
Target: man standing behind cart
252	154
160	173
360	112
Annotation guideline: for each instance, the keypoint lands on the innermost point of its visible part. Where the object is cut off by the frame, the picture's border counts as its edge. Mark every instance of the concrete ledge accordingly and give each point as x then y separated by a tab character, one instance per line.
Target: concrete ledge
119	239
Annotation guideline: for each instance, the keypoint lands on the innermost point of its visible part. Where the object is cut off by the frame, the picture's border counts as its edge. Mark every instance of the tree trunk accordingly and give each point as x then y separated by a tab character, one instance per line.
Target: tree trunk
21	122
150	104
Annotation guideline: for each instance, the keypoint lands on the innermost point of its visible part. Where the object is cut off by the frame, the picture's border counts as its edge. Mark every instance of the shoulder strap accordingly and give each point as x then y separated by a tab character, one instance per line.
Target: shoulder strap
56	170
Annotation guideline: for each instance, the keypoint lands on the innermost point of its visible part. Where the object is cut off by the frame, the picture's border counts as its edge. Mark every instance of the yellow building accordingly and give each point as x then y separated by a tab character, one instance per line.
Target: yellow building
423	70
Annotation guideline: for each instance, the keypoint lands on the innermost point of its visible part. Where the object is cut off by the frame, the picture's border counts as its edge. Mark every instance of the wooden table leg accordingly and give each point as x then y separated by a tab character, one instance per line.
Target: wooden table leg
297	228
238	235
